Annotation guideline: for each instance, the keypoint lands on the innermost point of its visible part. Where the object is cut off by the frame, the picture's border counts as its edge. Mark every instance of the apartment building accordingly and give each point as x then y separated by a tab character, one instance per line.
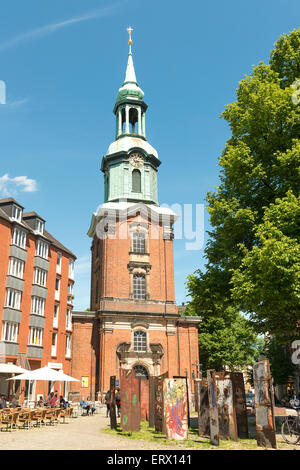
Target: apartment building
36	297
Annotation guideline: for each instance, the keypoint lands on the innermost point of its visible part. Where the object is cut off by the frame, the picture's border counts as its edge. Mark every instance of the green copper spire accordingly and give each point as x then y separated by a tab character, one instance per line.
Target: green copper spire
130	163
130	88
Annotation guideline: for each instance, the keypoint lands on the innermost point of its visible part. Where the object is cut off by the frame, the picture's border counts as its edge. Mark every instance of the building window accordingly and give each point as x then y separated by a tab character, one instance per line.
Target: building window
140	341
71	268
40	277
69	319
139	286
58	263
13	298
138	242
19	238
35	336
16	267
141	371
10	331
57	287
68	345
136	181
38	305
42	249
16	213
54	343
39	226
55	315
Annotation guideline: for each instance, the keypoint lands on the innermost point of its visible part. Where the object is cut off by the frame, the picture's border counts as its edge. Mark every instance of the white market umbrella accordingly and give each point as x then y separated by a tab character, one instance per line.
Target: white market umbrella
44	373
6	368
66	378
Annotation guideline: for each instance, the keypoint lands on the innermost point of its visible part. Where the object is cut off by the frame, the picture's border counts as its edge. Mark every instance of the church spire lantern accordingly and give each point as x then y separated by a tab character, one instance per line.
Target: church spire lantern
130	164
130	108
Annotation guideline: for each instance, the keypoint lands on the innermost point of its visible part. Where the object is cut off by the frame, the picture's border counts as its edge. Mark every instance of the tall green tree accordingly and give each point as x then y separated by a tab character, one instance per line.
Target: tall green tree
253	248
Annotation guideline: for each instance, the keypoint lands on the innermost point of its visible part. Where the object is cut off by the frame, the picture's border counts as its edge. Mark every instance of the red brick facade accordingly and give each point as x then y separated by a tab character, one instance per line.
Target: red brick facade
103	339
24	347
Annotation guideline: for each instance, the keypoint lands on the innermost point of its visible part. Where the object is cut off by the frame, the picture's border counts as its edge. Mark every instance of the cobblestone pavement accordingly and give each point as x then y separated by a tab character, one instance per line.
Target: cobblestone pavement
82	433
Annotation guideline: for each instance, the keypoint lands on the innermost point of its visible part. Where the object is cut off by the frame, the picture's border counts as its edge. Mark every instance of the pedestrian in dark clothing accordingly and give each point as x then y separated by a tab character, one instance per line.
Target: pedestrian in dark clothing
3	403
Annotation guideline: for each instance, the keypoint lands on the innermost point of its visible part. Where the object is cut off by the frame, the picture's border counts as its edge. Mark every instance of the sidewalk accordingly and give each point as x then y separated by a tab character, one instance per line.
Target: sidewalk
82	433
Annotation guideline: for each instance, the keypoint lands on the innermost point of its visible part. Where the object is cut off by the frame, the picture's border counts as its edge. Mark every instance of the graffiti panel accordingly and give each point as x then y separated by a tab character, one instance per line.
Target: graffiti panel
226	411
113	418
175	408
264	405
130	403
239	402
203	408
151	402
213	407
159	421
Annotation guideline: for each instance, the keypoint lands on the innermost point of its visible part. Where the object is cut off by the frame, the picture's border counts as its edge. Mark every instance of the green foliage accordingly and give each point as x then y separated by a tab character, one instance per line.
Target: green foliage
253	252
281	366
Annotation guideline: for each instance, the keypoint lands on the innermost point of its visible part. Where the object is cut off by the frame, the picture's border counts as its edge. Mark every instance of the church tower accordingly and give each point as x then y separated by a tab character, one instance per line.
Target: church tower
134	321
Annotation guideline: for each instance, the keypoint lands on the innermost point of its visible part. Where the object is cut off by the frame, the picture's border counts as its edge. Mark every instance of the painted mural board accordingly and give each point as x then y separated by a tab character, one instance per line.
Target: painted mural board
264	405
239	401
113	418
151	402
226	410
130	403
159	421
201	398
175	408
213	408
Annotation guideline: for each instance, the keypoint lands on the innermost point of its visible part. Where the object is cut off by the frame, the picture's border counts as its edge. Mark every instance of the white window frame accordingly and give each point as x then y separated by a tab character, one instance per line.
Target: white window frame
16	267
68	346
55	317
54	346
140	341
16	213
37	305
39	226
58	263
35	337
13	298
40	277
42	249
71	268
10	331
69	319
19	238
57	291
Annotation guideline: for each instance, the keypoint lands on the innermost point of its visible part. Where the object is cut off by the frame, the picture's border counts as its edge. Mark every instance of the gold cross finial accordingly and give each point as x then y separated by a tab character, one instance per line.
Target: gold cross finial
129	30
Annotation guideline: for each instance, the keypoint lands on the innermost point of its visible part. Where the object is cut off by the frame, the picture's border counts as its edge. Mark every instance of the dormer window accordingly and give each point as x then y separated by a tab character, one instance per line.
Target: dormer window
39	226
16	213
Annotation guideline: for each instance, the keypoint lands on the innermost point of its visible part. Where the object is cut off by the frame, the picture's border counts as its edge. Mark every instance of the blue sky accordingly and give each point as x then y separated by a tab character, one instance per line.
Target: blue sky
63	63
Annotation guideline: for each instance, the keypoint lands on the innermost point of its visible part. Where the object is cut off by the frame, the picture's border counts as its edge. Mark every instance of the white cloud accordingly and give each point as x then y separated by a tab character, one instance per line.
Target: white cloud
50	28
11	186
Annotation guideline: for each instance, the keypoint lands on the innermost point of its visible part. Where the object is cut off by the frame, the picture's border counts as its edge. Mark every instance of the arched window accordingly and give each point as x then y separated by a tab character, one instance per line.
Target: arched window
136	181
140	341
139	286
141	371
138	242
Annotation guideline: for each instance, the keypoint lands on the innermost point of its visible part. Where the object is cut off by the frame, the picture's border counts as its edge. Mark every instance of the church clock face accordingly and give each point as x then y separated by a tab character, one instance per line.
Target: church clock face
136	160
